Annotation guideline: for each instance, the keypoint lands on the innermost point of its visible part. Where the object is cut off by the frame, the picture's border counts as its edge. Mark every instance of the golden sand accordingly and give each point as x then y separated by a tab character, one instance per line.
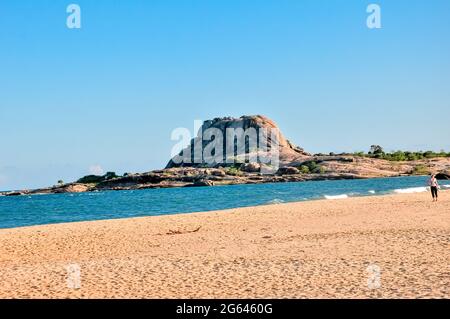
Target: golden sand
317	249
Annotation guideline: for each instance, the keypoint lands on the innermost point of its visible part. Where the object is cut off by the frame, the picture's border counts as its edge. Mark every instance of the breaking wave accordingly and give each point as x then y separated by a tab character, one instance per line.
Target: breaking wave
276	201
343	196
411	190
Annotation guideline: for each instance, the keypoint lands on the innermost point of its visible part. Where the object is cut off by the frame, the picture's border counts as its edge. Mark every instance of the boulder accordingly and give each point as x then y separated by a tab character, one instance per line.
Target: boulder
14	194
203	183
219	173
288	171
251	168
443	176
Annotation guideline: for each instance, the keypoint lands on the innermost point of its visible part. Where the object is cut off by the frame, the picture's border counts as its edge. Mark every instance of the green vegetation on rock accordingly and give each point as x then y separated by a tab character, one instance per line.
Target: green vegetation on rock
95	179
233	171
420	170
311	167
377	151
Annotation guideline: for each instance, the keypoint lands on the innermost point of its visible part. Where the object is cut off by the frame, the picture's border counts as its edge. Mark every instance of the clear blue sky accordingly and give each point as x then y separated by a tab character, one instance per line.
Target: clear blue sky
111	93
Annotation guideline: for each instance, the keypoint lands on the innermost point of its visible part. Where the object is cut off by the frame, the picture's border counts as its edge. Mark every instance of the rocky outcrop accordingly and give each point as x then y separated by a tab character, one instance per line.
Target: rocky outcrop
295	165
202	183
74	188
251	167
256	150
14	193
288	171
443	176
335	168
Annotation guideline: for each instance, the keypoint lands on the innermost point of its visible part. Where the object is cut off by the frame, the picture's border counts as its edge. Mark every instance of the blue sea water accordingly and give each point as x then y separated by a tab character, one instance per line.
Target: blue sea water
60	208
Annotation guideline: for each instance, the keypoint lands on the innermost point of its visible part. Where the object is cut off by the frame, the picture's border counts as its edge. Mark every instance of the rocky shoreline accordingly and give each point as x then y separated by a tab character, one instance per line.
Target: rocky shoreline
334	168
294	164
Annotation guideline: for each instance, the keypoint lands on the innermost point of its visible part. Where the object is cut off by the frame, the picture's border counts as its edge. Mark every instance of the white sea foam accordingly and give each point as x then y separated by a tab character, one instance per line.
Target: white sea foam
276	201
371	192
94	193
411	190
343	196
446	186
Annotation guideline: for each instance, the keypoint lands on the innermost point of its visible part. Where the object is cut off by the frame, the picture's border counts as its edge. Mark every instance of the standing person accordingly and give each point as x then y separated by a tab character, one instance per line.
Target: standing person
434	185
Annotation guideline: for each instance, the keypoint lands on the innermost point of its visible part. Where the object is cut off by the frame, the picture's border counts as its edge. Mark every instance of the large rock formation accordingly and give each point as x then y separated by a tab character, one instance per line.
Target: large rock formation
249	138
293	165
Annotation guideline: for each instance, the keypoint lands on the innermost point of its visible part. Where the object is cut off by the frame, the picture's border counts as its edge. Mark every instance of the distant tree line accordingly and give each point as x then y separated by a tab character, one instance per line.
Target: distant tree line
376	151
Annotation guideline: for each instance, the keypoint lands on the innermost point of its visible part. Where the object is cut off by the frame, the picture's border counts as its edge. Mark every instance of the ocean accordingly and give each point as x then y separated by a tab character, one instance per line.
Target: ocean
62	208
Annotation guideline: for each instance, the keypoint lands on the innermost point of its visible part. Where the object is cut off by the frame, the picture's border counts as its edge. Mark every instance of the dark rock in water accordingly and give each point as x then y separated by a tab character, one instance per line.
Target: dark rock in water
443	176
202	183
14	194
146	178
95	179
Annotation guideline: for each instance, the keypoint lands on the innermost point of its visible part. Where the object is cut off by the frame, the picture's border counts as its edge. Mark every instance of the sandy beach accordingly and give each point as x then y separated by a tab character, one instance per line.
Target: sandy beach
317	249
